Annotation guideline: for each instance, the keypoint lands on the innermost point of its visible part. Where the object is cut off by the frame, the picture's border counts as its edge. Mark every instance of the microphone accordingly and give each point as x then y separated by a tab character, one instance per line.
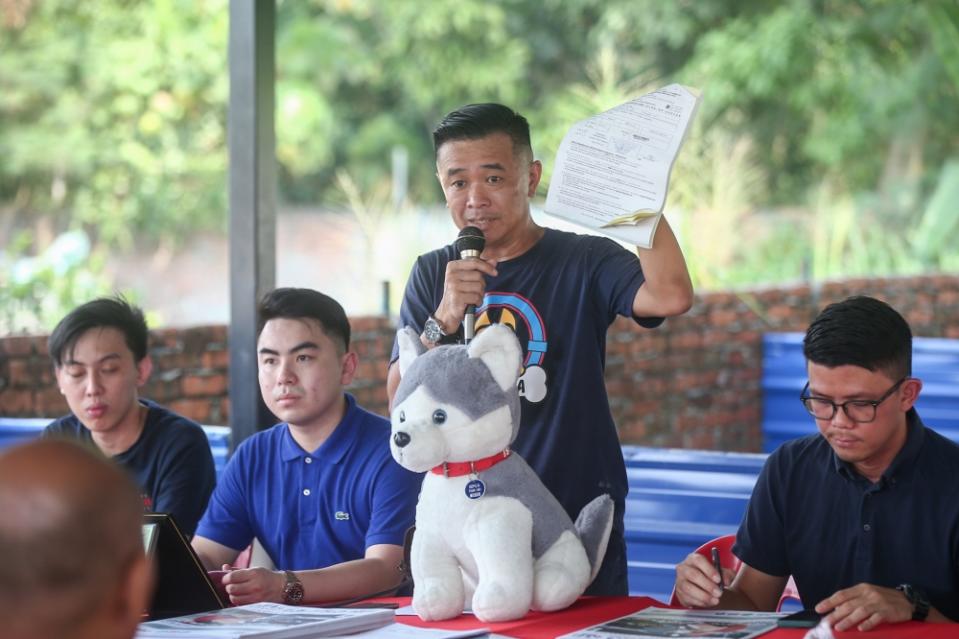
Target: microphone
470	243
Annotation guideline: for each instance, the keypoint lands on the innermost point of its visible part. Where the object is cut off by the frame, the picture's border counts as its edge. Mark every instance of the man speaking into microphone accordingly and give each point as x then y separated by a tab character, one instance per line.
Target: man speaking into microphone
558	291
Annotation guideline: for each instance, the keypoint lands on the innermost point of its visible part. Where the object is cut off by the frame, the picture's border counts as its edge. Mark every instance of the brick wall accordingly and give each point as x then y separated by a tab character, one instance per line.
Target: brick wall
692	383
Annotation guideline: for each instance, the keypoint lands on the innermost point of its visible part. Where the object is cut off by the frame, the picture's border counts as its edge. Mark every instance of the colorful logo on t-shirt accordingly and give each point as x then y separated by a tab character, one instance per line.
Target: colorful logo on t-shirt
519	314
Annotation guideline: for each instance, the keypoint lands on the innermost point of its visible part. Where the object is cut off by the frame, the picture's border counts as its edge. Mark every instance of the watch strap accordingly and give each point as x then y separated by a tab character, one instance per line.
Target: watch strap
920	604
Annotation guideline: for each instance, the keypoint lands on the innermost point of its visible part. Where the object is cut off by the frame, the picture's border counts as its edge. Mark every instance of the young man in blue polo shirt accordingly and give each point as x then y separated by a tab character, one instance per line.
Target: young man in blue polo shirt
865	515
320	490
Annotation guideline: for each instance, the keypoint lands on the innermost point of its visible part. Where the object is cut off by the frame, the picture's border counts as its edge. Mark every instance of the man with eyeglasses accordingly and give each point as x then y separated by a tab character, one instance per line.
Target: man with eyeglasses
864	515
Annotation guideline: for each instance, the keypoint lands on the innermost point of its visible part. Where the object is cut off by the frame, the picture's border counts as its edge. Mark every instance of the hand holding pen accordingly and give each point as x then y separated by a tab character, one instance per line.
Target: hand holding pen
719	568
701	579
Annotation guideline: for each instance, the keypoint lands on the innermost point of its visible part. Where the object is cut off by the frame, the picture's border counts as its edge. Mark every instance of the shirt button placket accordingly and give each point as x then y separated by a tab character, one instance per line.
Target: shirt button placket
309	501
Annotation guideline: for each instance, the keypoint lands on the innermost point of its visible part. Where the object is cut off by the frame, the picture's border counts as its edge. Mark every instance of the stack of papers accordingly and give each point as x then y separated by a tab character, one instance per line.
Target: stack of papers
267	621
612	170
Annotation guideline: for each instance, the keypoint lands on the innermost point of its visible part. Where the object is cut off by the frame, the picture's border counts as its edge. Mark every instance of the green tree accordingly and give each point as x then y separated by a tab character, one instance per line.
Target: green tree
112	116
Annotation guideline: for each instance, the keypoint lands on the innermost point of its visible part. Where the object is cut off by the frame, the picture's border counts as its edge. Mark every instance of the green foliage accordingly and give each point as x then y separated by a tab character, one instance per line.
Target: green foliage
35	292
113	115
840	112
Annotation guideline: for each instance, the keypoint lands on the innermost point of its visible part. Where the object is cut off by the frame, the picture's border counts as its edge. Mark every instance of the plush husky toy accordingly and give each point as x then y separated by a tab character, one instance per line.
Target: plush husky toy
488	532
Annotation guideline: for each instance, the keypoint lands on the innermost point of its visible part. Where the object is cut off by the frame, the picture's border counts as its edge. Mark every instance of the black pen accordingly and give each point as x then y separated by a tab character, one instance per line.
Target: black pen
718	567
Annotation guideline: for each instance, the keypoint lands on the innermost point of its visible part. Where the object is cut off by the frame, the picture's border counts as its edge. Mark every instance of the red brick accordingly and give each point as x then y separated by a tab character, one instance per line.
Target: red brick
686	339
49	402
204	385
713	353
217	360
17	403
19	346
196	409
368	323
215	332
946	297
18	371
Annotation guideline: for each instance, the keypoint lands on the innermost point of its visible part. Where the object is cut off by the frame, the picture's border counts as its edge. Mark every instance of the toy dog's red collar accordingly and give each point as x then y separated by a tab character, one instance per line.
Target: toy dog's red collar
457	469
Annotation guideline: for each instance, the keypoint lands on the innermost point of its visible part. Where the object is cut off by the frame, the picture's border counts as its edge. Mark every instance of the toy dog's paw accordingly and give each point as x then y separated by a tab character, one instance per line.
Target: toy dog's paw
434	600
494	602
555	587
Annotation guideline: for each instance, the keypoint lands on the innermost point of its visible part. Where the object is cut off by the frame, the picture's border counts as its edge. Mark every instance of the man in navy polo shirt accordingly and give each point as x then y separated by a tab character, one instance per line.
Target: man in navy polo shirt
320	491
865	515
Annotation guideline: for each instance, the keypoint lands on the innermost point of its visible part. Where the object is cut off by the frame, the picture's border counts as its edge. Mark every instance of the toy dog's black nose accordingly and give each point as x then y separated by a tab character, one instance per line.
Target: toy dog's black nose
401	439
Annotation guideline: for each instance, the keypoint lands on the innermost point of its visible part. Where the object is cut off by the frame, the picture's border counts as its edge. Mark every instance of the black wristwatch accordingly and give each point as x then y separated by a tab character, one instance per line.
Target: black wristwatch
433	333
920	605
292	589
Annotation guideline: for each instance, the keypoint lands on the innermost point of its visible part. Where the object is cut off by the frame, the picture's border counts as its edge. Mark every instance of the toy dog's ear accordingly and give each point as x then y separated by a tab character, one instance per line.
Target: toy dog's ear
410	347
499	349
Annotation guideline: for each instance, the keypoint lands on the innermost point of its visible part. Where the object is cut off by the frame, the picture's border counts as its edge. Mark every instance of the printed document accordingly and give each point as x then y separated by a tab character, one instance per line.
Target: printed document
654	623
612	170
267	620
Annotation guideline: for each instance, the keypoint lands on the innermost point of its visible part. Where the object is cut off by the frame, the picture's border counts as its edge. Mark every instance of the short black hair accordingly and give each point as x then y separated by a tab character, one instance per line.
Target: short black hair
305	303
861	331
104	312
475	121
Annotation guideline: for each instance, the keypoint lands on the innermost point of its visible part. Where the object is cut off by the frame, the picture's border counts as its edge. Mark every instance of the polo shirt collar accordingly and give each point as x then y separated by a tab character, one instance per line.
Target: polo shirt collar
902	461
335	446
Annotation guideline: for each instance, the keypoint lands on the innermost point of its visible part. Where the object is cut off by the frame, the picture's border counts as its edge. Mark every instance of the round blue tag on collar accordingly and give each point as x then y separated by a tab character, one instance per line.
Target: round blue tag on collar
475	488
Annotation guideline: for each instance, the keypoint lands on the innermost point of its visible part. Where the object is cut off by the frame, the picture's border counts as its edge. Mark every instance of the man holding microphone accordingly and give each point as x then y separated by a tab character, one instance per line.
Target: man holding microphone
558	291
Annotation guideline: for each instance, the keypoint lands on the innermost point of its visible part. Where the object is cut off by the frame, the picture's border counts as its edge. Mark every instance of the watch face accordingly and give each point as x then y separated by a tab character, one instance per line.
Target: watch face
293	590
431	331
293	593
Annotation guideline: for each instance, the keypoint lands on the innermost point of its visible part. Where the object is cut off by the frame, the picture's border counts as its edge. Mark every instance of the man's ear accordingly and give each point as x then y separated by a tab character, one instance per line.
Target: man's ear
144	368
130	596
910	393
350	361
535	175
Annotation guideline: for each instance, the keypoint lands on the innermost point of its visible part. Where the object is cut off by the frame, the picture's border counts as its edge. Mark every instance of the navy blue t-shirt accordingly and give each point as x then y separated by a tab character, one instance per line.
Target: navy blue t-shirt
813	516
560	298
171	462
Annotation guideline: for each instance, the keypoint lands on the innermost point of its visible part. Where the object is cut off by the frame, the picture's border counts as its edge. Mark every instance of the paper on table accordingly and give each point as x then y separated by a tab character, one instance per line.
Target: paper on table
407	611
612	170
403	631
652	623
277	621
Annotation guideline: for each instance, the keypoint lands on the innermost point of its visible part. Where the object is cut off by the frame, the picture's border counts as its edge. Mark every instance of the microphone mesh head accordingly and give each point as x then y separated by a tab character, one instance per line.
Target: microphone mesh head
470	239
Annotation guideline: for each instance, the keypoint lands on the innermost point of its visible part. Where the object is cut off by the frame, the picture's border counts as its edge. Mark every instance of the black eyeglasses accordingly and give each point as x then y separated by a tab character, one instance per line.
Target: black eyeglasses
858	410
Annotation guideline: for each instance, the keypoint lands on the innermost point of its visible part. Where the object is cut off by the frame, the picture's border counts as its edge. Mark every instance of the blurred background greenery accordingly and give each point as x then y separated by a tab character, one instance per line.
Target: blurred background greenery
827	143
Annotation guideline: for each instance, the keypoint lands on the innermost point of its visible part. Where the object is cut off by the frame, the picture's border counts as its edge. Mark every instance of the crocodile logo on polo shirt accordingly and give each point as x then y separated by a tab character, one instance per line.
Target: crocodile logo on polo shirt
341	516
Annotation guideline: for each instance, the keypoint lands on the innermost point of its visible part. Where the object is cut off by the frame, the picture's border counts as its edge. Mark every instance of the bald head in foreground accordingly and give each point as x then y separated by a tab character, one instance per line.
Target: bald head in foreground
72	564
